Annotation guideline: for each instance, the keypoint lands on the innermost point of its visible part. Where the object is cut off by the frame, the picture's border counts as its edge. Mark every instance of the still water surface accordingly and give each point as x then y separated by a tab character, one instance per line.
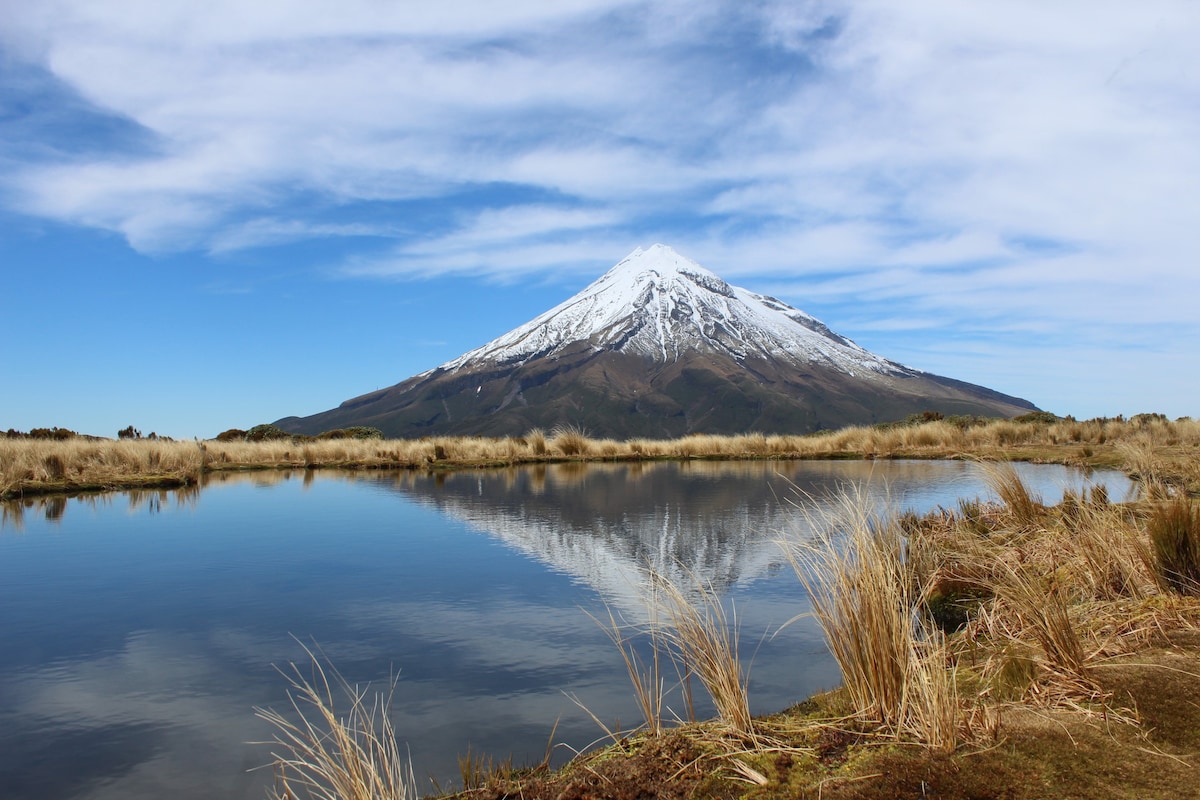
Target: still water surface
138	630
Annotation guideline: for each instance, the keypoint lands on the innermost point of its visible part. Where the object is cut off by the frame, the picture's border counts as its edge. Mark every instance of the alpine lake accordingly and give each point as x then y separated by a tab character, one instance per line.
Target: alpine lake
139	630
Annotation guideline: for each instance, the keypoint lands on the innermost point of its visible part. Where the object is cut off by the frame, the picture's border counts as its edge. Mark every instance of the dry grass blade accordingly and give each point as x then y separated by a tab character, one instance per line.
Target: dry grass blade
325	754
707	643
646	679
1042	606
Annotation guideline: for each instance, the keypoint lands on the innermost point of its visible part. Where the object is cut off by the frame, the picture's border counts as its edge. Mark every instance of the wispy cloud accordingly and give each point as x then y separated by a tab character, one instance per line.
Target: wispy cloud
938	160
980	121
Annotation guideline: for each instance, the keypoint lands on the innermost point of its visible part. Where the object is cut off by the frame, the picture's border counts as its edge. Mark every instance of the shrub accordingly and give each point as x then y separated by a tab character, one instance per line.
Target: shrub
232	435
263	433
55	434
1034	417
1174	530
353	432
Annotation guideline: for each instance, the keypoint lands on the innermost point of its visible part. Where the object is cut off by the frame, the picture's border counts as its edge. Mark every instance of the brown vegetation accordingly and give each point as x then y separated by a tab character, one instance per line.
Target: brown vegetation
329	752
1150	446
1071	673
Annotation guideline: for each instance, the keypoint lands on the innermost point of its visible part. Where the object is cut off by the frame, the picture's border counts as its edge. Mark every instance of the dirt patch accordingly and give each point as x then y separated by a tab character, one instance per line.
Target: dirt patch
1162	686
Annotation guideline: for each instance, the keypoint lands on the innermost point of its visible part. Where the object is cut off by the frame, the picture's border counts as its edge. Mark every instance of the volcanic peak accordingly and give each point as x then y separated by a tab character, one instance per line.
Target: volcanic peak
660	305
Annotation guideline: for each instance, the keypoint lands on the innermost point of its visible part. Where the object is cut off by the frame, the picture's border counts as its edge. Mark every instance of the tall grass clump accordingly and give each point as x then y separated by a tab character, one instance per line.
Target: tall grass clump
570	441
1024	507
1042	606
536	440
1174	530
332	753
1103	550
690	630
865	598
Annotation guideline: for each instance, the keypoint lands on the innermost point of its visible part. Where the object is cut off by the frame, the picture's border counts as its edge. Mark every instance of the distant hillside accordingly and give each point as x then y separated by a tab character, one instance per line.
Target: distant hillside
661	347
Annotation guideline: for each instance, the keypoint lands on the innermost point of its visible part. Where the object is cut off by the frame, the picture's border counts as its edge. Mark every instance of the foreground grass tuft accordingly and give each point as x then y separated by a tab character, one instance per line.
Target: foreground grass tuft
865	596
325	751
1174	530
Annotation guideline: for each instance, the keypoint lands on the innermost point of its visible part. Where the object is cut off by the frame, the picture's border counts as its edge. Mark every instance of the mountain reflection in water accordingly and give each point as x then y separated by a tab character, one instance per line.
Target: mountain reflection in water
718	522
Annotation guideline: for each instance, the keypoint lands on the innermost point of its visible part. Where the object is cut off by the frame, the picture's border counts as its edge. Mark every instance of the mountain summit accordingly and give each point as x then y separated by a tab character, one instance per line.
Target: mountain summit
659	346
661	306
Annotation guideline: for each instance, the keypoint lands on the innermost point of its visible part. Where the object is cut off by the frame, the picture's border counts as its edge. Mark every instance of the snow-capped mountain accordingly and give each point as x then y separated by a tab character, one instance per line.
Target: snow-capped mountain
659	305
660	346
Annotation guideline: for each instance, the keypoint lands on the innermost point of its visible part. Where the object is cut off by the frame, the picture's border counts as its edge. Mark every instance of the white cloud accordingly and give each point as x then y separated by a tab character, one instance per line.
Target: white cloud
1023	164
999	121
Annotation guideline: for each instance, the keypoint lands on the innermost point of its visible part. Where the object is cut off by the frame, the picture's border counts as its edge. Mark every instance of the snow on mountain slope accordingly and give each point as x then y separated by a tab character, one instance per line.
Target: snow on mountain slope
657	304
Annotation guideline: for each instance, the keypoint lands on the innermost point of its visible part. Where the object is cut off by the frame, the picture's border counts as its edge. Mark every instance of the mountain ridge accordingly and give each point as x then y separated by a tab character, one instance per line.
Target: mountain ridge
660	346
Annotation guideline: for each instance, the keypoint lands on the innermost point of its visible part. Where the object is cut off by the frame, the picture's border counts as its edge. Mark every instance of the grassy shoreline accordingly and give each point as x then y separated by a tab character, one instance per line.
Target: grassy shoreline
1146	446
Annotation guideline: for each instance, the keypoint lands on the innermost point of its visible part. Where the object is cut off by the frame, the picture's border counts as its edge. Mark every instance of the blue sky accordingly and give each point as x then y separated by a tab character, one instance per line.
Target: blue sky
217	214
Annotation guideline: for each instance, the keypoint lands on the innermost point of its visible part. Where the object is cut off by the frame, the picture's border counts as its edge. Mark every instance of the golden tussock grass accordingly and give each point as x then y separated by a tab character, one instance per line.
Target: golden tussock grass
1154	449
940	623
690	630
31	464
705	638
865	595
